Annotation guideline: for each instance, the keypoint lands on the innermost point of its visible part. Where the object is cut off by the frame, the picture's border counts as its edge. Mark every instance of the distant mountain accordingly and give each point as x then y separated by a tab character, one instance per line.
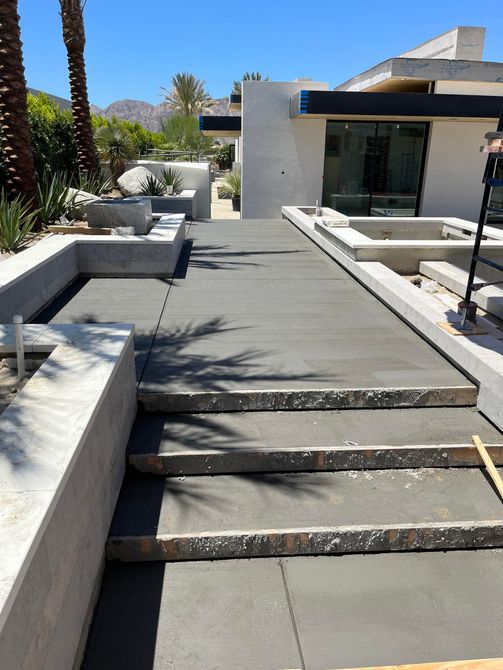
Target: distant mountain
151	116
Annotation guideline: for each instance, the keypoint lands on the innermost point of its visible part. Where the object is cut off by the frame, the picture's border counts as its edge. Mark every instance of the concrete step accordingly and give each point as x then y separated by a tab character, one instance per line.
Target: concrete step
228	442
335	611
463	395
489	298
236	516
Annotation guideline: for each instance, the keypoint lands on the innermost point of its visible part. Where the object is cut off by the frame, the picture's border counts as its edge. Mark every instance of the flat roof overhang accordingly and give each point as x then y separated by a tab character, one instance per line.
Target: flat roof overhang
235	102
342	105
220	126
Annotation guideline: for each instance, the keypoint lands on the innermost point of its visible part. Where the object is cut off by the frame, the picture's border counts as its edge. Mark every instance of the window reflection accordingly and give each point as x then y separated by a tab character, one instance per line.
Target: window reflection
373	169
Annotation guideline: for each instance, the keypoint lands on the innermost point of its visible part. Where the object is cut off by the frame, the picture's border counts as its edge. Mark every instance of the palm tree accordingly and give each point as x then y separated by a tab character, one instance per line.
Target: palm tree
14	124
115	146
72	16
188	96
237	87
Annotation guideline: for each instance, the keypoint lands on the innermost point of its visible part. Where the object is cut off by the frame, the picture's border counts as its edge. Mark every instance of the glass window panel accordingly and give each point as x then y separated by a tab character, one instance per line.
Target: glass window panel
349	154
397	168
373	169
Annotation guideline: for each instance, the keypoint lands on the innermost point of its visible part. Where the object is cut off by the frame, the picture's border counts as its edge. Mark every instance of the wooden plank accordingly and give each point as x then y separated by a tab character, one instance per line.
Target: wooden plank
79	230
478	664
454	328
495	475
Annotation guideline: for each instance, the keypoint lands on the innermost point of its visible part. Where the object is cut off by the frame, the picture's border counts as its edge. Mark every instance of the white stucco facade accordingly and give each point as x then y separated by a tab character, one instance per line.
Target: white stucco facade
282	159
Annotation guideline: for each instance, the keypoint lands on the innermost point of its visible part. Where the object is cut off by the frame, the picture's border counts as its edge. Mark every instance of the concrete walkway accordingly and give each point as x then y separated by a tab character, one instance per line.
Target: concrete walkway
256	308
255	305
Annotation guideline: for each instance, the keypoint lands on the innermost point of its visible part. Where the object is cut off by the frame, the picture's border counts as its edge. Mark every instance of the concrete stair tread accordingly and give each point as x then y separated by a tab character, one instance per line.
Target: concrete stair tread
164	443
346	611
232	515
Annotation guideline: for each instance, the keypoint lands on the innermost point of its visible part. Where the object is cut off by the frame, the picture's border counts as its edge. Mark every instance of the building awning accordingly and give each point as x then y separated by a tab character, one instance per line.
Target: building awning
343	105
220	126
235	102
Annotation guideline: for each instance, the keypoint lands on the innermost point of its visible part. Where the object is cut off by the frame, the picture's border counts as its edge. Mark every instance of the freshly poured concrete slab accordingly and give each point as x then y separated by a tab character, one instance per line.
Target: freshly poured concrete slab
227	516
224	330
196	616
281	441
347	611
384	609
138	301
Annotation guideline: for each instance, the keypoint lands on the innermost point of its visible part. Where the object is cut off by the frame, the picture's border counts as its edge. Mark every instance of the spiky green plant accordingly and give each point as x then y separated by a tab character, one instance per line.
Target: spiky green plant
93	182
187	95
54	197
152	186
115	146
17	219
172	177
231	184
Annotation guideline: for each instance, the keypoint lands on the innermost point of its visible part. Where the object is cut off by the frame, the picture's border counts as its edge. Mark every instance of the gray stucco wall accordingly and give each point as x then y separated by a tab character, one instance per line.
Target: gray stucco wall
282	157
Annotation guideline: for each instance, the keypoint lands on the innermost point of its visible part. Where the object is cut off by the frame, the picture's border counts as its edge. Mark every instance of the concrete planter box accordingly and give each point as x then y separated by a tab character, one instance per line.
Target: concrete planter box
128	213
183	203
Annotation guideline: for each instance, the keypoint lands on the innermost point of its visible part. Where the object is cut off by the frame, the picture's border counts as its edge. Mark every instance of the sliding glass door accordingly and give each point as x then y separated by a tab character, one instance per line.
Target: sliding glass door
373	169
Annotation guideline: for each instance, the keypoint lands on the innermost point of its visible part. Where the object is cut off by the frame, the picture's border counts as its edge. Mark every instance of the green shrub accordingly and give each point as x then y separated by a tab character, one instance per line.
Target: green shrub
152	186
182	133
172	177
54	197
16	222
223	157
52	136
232	184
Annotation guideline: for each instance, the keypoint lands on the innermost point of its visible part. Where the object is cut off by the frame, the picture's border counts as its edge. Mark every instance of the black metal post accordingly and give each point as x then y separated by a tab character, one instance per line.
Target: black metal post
488	173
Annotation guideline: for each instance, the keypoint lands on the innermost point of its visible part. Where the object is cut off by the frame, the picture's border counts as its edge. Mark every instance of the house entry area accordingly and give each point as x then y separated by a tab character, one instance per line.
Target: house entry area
373	169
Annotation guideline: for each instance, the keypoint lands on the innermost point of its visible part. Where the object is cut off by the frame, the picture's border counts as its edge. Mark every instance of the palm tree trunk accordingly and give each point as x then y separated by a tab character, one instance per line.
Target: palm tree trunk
14	124
75	40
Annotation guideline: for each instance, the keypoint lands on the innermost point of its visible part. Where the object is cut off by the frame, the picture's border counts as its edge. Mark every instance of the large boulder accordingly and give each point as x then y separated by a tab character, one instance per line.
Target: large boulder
80	200
130	182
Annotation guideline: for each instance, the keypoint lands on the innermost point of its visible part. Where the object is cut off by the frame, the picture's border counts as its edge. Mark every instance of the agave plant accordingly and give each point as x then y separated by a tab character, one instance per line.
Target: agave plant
152	186
172	177
231	184
115	146
55	198
17	218
93	182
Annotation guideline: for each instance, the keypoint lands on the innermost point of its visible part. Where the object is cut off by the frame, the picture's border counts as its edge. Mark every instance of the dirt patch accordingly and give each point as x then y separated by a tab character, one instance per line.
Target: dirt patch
9	383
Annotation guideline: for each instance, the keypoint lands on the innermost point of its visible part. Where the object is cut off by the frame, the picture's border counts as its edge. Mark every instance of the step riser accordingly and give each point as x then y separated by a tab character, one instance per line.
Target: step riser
308	541
319	459
271	400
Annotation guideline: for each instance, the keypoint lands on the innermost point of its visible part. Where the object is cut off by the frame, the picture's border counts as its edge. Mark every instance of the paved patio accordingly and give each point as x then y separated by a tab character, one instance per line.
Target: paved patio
255	305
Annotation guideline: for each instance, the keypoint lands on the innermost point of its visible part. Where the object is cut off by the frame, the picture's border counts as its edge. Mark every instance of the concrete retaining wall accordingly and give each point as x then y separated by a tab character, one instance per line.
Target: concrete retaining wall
59	482
31	279
196	176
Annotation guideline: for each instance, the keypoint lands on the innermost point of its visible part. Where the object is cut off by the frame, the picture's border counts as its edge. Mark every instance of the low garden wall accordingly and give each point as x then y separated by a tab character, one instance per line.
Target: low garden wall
62	461
32	278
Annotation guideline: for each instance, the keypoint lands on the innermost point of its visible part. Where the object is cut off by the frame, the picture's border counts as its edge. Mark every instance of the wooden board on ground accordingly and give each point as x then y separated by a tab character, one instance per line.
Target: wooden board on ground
454	328
79	230
480	664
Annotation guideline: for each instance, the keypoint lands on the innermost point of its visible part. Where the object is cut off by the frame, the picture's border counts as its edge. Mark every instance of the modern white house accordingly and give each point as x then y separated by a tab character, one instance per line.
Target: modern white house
401	139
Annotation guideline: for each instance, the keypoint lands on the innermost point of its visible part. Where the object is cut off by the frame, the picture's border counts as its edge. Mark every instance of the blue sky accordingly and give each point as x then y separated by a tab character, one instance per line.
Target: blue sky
134	47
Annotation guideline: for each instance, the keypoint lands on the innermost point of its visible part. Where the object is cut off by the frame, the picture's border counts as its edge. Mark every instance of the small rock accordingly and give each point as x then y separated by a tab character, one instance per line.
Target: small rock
29	364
